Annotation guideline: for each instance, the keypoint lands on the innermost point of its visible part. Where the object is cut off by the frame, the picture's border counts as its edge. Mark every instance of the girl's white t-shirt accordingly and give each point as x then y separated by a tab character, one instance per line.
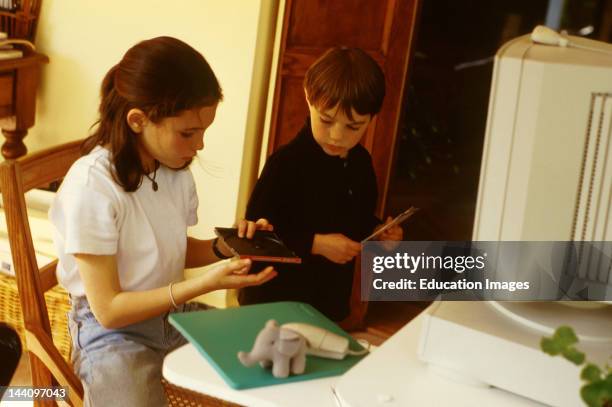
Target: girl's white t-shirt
145	229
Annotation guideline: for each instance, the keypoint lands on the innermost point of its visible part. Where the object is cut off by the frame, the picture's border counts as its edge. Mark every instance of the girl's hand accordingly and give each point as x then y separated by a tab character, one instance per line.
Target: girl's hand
234	274
335	247
248	227
394	233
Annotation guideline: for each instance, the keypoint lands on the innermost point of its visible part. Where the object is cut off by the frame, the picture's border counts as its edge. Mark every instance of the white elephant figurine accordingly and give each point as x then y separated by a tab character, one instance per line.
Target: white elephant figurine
281	348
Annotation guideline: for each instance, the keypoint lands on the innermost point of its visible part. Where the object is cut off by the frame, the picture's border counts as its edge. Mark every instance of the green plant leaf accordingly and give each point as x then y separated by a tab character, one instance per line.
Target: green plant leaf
562	339
551	347
574	355
591	373
565	336
596	394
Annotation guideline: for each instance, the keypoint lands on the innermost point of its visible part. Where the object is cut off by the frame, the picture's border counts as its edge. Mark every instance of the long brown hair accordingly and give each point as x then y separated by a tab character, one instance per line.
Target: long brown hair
162	77
347	77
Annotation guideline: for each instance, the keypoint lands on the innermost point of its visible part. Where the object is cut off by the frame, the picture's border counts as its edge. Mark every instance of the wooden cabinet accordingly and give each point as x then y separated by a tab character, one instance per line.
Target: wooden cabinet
19	77
18	82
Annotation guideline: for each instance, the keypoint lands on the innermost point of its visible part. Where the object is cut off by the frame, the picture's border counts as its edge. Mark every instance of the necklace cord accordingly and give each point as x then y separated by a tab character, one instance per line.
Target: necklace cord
152	179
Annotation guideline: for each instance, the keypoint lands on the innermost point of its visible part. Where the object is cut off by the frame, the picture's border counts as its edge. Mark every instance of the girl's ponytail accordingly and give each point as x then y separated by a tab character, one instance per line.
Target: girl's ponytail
101	135
108	83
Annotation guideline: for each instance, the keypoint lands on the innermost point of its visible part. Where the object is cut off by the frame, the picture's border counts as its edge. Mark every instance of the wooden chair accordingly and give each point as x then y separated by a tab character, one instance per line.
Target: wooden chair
47	365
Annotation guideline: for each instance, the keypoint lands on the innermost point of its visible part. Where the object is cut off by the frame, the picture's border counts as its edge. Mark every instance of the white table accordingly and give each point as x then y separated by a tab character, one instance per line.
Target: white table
392	375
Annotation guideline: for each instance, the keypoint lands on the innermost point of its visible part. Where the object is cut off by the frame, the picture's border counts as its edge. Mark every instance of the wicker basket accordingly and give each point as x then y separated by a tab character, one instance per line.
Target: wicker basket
20	20
181	397
58	306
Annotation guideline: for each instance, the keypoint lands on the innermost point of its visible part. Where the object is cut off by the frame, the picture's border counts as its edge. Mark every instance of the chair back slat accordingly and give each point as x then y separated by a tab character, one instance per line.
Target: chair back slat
16	178
22	249
44	167
48	279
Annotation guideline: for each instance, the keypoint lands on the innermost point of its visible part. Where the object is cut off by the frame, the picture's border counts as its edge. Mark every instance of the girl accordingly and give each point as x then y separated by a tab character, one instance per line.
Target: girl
121	218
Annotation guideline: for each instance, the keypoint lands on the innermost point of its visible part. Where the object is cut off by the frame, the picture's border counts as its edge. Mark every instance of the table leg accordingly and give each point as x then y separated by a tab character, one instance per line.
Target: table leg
14	147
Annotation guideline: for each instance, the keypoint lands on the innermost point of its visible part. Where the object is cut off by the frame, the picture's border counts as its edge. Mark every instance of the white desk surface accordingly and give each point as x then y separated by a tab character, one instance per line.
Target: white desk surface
392	375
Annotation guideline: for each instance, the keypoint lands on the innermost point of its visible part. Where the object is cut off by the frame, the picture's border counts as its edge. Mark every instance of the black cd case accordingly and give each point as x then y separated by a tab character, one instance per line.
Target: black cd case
265	246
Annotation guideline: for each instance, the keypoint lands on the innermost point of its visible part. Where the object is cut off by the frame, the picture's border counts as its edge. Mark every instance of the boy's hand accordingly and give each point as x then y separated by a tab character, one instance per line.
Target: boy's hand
335	247
234	274
248	227
393	233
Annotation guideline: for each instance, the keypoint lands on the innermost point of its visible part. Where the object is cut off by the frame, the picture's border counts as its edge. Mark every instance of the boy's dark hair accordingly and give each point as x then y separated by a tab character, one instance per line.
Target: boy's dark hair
162	77
347	77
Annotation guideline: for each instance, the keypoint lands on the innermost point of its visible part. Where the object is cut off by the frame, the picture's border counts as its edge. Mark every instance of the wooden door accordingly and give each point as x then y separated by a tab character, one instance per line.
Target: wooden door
383	28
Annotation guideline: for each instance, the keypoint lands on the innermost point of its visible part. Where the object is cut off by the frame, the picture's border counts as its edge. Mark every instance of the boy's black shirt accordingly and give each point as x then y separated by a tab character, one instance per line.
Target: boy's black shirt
303	191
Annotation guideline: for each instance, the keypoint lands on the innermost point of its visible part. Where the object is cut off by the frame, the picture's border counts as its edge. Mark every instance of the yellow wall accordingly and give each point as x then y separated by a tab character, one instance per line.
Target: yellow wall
84	38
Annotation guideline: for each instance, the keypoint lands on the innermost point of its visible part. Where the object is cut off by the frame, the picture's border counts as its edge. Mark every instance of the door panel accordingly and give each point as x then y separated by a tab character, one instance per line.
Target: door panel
292	108
326	23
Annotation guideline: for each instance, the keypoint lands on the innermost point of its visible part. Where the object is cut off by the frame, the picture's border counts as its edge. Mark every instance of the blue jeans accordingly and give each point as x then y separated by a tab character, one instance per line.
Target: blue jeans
122	367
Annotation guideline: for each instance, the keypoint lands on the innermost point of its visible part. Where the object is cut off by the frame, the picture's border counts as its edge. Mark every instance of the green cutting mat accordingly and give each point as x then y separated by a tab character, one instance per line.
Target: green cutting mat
219	334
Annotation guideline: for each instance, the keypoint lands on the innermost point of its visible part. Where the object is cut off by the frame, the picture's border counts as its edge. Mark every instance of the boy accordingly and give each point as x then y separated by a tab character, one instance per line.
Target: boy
319	191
